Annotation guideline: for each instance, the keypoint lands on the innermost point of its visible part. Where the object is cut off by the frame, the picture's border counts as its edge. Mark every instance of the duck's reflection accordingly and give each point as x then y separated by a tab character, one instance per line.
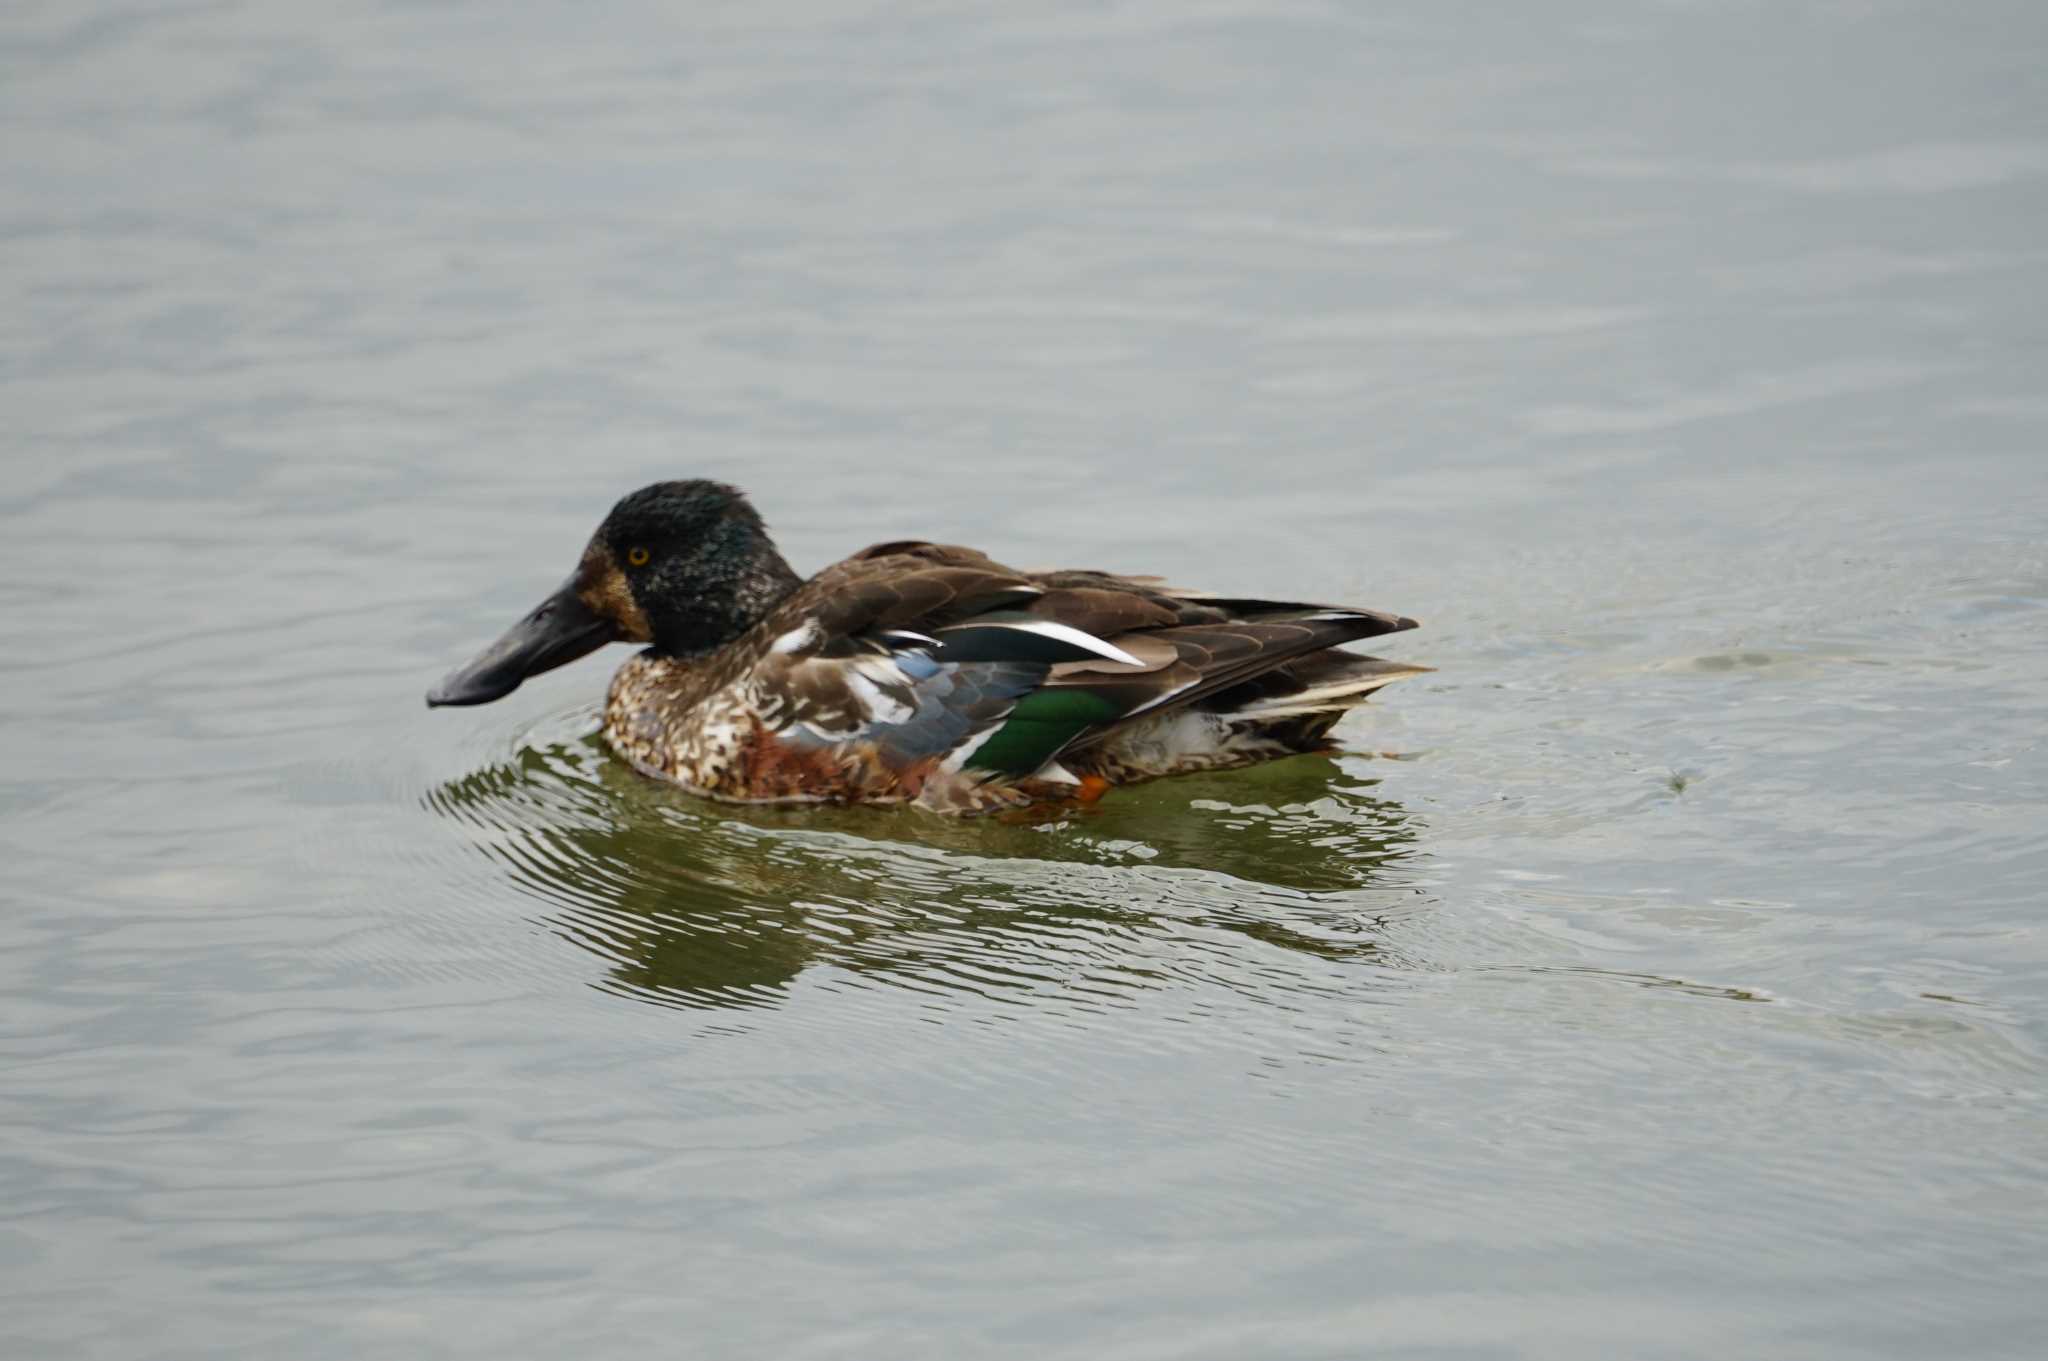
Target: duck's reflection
703	904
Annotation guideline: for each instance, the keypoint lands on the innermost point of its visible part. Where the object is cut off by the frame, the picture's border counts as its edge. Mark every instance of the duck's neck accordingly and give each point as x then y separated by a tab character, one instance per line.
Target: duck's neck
765	584
730	591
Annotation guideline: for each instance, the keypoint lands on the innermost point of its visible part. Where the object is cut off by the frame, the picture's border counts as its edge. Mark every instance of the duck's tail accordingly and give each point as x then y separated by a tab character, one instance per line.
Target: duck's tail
1296	705
1287	711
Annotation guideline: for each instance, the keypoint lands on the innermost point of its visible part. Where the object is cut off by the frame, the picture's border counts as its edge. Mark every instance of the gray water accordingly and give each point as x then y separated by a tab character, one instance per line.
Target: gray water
1665	976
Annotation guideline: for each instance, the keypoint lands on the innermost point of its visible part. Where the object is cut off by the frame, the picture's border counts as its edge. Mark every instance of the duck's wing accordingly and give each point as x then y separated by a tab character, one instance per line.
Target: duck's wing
919	652
909	652
1183	648
1180	666
931	652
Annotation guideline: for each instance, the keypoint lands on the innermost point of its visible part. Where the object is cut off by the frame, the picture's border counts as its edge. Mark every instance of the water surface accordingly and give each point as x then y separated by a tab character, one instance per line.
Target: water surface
1663	976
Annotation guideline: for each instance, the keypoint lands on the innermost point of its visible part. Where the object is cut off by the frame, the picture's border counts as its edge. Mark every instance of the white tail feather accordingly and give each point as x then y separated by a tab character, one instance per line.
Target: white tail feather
1321	699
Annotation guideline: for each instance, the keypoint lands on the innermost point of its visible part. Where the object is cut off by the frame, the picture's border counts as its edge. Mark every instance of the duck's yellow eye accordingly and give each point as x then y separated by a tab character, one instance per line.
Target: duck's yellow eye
637	556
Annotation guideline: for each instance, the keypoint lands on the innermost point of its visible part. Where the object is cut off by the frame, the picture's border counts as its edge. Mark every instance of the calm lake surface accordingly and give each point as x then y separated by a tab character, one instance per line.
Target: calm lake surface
1665	976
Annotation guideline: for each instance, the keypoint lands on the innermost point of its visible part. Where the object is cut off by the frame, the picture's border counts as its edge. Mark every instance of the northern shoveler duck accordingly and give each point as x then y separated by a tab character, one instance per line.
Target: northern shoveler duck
920	673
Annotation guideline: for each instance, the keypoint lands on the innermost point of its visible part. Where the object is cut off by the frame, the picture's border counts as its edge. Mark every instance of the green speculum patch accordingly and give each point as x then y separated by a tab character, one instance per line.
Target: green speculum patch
1038	727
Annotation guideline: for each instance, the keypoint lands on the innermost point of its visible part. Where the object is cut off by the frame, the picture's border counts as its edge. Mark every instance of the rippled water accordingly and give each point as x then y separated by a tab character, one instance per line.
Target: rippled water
1663	976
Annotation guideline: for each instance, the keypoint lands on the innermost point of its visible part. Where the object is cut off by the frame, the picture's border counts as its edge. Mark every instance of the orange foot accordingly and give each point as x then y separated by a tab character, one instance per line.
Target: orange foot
1092	788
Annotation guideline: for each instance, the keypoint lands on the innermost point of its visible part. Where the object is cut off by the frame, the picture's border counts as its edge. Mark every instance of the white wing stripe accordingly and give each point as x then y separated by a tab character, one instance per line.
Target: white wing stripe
797	639
1155	703
1068	634
957	759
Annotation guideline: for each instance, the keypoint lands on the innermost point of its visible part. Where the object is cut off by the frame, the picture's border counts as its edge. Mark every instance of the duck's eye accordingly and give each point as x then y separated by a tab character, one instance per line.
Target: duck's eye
637	556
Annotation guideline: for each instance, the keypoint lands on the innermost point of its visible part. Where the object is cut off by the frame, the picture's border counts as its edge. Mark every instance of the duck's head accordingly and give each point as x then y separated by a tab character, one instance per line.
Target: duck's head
683	566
